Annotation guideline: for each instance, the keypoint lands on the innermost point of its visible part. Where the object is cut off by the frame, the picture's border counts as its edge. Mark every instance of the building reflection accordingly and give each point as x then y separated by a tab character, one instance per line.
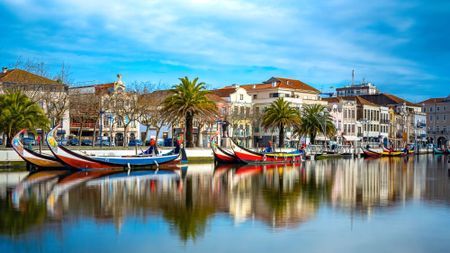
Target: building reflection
279	196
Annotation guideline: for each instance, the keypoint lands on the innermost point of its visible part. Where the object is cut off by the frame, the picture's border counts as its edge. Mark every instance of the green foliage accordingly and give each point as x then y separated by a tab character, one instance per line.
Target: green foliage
188	99
279	115
315	119
17	111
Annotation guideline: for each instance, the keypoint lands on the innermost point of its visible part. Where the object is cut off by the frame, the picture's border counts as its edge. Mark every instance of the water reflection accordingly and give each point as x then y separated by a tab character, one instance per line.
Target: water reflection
280	196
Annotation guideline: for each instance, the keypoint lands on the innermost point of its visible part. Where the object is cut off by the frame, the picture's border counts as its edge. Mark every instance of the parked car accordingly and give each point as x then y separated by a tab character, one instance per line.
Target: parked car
28	141
86	142
63	142
133	143
74	142
103	143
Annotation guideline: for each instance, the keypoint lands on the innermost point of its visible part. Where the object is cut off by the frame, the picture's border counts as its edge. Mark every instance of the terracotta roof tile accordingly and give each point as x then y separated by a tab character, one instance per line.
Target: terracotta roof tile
24	77
435	100
280	83
224	92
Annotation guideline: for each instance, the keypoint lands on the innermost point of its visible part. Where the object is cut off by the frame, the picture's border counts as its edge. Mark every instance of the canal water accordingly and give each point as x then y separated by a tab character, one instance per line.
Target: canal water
354	205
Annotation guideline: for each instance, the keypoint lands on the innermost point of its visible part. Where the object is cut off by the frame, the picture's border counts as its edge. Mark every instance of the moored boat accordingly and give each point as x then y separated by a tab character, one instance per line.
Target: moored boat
33	158
224	156
80	161
371	153
249	156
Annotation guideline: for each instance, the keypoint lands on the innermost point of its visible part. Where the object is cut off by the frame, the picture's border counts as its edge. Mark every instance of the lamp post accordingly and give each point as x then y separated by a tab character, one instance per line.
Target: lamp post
101	128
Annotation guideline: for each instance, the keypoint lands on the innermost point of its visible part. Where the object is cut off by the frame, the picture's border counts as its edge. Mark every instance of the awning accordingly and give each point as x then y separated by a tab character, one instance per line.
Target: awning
351	138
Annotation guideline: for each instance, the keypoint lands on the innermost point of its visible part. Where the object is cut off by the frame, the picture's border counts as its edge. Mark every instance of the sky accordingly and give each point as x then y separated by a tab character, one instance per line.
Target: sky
403	47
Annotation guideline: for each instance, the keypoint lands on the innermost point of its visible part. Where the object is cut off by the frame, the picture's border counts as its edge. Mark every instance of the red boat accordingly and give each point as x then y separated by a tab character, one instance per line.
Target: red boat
370	153
249	156
223	156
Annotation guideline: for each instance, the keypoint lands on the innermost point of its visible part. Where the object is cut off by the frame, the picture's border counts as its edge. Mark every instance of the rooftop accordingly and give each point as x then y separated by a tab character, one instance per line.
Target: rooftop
19	76
279	82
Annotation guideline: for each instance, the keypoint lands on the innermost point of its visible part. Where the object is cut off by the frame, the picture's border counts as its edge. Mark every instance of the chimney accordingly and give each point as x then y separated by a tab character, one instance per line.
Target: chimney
254	87
4	70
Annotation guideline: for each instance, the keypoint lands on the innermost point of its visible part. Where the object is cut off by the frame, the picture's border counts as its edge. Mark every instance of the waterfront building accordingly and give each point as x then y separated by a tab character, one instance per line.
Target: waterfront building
437	112
51	95
344	114
364	88
409	123
263	94
106	110
239	117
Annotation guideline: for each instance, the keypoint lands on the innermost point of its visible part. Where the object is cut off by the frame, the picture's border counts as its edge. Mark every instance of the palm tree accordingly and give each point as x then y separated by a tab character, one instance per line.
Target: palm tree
17	111
315	120
279	115
188	99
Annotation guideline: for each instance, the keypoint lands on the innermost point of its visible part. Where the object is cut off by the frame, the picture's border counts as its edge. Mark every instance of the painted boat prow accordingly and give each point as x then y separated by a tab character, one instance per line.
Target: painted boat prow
32	157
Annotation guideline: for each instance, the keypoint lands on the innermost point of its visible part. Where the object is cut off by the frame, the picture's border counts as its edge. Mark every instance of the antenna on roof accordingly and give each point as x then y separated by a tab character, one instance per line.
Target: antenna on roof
353	76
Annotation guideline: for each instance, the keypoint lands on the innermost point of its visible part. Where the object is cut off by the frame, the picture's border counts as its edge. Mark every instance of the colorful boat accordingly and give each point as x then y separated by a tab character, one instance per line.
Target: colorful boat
249	156
371	153
224	156
33	158
80	161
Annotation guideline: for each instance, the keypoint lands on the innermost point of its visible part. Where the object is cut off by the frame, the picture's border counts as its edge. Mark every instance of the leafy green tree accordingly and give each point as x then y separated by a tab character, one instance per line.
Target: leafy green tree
315	119
279	115
188	100
17	111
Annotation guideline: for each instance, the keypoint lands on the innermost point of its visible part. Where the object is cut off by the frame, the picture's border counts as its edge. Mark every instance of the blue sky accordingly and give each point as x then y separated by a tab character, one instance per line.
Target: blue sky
403	47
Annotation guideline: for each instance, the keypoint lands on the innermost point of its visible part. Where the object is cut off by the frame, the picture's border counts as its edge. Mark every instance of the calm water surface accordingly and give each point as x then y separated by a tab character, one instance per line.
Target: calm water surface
382	205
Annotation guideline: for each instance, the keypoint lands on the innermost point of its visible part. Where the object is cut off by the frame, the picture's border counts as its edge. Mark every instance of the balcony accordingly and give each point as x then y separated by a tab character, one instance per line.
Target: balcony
85	125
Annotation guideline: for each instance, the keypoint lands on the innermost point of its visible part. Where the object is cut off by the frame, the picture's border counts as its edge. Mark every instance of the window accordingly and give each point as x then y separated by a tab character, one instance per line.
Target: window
274	95
437	108
431	109
431	117
255	96
241	96
424	109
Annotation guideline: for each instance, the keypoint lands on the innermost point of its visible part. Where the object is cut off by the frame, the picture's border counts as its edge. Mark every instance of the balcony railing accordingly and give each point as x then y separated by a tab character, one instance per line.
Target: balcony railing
85	125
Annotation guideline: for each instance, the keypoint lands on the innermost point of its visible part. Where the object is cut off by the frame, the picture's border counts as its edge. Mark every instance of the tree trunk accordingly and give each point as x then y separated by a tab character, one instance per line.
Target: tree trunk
158	129
93	136
281	136
313	138
8	141
125	136
146	134
188	126
80	132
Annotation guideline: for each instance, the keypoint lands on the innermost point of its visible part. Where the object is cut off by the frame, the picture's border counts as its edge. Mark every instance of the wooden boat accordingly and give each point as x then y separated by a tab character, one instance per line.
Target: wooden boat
249	156
224	156
33	158
371	153
80	161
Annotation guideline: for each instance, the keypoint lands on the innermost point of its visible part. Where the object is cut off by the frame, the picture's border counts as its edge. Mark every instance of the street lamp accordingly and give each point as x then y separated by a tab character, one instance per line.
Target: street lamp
101	128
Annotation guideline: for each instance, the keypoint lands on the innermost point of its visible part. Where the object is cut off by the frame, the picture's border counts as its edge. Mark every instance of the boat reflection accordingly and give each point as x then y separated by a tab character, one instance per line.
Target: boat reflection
279	195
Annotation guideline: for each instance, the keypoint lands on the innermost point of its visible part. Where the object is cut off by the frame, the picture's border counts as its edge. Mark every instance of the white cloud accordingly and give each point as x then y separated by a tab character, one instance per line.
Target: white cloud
323	42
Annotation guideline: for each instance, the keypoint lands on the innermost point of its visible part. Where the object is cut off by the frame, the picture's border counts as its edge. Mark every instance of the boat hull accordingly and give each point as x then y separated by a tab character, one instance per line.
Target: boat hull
33	158
249	156
222	156
80	161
